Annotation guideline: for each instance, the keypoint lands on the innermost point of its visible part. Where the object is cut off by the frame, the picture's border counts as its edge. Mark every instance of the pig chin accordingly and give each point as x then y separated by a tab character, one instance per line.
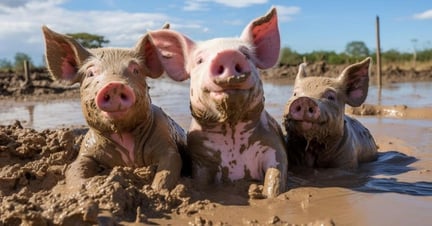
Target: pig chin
227	106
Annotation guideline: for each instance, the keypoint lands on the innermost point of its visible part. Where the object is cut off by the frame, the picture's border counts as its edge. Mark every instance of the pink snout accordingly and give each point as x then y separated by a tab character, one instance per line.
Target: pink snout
115	97
229	63
304	109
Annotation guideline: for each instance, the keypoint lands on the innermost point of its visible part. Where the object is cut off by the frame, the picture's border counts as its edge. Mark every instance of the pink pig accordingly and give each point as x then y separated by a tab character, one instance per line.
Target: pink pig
125	128
231	136
319	134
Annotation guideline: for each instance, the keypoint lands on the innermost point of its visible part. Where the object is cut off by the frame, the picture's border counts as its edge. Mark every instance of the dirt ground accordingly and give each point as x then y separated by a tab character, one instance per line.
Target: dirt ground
394	190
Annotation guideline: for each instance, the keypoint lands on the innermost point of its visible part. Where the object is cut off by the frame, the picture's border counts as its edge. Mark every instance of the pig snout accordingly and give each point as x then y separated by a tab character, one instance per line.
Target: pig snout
229	66
304	109
115	97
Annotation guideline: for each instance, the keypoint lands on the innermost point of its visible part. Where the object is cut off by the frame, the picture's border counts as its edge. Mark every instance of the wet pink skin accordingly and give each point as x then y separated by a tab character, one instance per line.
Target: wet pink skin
319	134
231	136
125	128
115	99
304	109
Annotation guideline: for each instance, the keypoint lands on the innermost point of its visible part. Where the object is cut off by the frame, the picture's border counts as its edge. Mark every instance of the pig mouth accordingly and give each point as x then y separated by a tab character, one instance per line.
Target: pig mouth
305	125
115	115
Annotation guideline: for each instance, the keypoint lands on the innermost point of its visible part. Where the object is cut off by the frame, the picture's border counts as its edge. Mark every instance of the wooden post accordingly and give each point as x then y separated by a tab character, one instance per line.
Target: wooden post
27	80
378	54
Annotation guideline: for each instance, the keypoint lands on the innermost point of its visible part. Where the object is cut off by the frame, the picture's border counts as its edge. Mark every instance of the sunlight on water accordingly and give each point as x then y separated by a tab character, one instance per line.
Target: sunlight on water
173	97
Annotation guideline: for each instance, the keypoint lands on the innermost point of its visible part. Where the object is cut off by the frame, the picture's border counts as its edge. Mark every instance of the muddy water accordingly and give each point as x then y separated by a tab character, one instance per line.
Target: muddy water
173	98
394	190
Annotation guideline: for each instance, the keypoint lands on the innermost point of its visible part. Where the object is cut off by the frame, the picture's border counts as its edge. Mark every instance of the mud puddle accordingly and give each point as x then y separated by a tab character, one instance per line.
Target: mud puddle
394	190
173	98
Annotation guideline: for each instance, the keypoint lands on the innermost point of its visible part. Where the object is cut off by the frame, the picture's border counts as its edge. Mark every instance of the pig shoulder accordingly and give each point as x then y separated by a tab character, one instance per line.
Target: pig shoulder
165	138
363	143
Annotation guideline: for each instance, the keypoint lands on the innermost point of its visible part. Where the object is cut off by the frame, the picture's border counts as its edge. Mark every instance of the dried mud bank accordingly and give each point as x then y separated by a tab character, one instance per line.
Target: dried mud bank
42	87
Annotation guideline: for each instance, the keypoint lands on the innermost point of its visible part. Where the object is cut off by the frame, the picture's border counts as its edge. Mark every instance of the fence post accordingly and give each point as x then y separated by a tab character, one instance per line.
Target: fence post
27	80
378	53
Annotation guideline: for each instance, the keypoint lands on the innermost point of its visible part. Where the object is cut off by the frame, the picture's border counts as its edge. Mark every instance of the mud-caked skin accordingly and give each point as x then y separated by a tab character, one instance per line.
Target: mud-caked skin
319	134
231	136
125	129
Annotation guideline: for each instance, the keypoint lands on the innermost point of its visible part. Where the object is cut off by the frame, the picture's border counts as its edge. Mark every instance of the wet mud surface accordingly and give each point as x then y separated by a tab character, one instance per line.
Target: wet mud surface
394	190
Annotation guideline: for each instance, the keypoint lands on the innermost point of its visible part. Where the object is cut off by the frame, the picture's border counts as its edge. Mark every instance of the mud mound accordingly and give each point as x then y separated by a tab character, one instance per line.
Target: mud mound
32	189
40	87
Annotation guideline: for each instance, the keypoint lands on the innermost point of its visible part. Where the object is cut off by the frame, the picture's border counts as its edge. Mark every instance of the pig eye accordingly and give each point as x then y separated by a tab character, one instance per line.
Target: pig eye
199	61
294	94
135	71
330	95
90	74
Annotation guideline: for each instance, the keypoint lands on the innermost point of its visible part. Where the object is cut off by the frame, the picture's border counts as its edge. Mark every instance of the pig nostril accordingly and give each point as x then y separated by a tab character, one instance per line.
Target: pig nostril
106	98
238	68
298	108
123	96
311	110
220	70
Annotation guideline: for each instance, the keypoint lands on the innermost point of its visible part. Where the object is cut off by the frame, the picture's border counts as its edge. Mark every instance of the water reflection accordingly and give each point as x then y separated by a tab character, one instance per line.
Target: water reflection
173	97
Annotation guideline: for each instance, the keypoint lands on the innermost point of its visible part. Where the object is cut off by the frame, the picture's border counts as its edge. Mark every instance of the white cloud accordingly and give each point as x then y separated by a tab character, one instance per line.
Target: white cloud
21	21
424	15
195	5
286	13
200	5
240	3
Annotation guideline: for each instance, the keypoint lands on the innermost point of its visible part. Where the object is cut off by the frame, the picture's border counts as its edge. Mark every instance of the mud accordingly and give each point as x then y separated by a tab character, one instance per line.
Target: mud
394	190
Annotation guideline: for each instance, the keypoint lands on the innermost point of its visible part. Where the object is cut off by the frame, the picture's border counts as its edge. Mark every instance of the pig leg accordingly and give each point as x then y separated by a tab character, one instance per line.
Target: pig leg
168	171
82	168
274	183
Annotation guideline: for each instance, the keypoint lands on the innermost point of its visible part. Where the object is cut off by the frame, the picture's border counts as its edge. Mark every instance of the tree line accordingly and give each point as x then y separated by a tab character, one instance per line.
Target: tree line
354	51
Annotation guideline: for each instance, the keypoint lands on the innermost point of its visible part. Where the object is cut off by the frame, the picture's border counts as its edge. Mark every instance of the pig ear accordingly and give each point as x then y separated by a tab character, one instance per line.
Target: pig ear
301	71
356	80
146	48
173	49
263	33
63	55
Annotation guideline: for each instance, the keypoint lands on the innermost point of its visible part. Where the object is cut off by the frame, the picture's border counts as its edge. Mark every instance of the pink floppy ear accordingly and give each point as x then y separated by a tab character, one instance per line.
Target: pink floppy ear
63	55
263	34
146	48
173	49
356	80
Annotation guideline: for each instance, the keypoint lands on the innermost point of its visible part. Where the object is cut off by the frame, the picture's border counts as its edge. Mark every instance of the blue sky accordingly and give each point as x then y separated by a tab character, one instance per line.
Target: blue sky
305	25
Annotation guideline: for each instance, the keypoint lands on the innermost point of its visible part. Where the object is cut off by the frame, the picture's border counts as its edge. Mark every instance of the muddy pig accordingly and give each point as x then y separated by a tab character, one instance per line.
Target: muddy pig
319	134
231	136
125	129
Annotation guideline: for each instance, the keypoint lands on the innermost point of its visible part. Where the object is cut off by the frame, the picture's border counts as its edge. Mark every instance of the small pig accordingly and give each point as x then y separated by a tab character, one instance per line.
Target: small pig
319	134
125	129
231	136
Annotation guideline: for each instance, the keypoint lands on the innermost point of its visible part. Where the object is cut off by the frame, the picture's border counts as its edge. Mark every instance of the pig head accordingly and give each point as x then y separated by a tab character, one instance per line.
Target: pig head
319	134
125	128
231	136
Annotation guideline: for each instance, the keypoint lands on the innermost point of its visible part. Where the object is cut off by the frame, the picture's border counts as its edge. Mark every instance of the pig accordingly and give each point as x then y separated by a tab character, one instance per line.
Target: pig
319	133
231	136
125	128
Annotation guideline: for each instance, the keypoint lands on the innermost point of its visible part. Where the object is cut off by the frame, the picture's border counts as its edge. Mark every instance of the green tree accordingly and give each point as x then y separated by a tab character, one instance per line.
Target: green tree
290	57
19	61
89	40
5	65
357	49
